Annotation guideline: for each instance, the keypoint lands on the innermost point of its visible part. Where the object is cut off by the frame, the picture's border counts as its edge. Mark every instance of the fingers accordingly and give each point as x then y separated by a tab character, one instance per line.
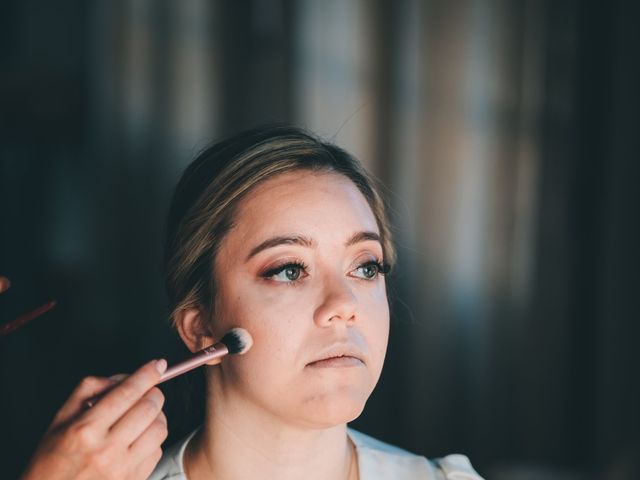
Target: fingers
151	439
145	467
123	396
133	423
4	284
148	446
120	437
89	387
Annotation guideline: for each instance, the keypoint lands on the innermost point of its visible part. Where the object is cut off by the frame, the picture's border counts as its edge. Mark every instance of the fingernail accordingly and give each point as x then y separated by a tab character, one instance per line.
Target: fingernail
161	365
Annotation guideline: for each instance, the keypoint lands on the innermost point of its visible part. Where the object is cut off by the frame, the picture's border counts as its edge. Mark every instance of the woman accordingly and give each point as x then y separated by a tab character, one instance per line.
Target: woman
285	236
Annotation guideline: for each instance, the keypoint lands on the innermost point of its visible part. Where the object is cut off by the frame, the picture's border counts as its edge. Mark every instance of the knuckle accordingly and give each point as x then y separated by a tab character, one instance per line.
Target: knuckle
149	407
162	417
160	430
154	395
164	432
83	436
159	424
158	394
88	383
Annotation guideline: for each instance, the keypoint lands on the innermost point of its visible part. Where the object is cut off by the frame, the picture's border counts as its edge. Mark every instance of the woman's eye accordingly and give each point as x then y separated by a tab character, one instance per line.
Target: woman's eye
369	270
286	273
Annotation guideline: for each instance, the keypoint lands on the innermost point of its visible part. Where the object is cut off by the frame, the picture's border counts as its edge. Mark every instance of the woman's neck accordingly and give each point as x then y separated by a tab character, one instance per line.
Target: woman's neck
240	441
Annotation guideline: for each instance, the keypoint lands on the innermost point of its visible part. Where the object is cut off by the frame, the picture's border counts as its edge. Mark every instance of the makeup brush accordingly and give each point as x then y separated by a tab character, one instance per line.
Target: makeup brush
236	342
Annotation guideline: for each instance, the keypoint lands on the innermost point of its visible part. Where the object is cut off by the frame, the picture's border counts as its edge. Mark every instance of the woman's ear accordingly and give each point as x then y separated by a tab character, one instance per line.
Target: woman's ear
192	327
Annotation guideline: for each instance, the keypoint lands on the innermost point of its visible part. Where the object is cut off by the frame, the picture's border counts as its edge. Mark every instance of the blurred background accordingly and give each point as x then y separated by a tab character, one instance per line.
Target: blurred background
505	132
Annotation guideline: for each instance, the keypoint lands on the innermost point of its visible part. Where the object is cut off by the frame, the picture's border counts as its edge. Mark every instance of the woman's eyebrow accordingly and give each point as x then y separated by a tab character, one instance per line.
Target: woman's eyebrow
308	242
362	237
281	240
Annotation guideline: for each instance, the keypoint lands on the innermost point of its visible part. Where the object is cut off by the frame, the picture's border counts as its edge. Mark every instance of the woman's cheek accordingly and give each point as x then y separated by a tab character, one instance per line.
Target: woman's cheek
270	319
282	303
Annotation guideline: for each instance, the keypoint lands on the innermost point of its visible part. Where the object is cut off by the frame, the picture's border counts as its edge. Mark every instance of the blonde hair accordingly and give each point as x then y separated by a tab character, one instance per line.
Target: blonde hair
205	200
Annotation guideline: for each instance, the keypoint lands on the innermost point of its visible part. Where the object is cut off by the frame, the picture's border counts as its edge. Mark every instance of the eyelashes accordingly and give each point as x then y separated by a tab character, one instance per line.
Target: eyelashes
294	271
287	272
370	270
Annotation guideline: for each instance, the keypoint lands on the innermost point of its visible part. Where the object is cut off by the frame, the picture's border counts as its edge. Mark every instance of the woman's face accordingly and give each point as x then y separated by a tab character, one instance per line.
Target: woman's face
299	271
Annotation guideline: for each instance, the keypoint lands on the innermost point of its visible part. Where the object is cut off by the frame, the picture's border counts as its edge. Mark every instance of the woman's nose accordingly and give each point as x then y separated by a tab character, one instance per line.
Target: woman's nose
338	303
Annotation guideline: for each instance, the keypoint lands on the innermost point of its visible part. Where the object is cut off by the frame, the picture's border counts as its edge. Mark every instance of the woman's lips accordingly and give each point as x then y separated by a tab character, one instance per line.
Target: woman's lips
345	361
338	355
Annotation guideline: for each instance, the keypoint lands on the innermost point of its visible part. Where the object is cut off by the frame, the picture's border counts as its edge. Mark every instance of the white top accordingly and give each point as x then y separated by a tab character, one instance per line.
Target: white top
376	461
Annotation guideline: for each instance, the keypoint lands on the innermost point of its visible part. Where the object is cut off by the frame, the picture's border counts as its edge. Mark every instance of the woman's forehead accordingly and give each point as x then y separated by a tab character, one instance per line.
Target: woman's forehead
311	204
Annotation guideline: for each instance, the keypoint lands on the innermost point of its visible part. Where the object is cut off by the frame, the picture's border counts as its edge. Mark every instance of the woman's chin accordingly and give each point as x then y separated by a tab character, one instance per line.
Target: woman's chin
326	411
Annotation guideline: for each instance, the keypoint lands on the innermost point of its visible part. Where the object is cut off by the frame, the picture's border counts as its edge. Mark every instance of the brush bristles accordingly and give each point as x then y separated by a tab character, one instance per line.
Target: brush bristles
237	340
